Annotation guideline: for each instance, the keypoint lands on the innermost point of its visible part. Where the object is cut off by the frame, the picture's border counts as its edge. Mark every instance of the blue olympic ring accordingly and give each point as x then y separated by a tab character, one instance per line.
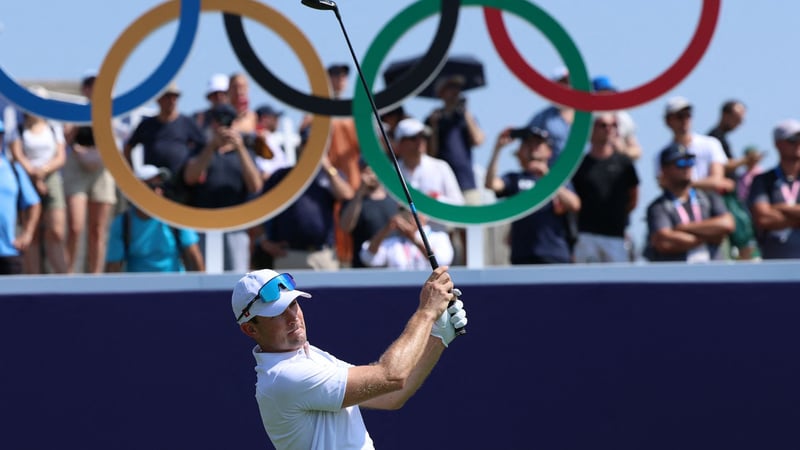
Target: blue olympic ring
149	88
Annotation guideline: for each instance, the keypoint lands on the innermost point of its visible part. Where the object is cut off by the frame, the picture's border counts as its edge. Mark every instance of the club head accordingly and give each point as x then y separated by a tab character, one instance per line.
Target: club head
322	5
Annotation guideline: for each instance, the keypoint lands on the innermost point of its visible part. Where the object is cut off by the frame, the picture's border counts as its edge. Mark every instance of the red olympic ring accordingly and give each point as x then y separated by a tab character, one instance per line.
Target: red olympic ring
587	101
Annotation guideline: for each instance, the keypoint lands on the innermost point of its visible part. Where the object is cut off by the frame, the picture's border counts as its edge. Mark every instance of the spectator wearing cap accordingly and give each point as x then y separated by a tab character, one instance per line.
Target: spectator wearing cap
344	152
270	156
90	193
608	186
221	174
775	194
391	118
541	237
216	94
168	138
626	141
41	152
239	96
302	236
138	242
455	133
370	209
708	172
427	174
555	119
20	209
338	73
685	223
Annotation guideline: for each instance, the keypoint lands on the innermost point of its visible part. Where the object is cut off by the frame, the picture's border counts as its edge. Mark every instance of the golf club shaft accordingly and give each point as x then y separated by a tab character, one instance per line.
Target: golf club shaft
330	5
431	256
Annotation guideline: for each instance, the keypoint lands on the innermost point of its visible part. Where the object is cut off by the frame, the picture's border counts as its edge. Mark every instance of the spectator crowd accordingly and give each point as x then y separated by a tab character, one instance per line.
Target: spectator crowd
715	202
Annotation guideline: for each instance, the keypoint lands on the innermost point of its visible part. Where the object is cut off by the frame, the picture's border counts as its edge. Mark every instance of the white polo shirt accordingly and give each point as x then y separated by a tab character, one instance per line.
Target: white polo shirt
434	178
300	395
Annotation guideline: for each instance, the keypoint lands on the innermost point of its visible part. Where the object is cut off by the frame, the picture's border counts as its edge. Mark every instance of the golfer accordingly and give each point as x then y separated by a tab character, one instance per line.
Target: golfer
308	398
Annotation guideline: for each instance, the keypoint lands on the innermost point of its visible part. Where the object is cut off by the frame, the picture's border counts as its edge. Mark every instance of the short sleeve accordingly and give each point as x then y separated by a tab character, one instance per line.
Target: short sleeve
658	217
311	386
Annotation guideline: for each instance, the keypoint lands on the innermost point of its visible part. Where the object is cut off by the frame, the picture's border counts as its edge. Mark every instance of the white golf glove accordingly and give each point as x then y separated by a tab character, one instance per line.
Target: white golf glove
455	316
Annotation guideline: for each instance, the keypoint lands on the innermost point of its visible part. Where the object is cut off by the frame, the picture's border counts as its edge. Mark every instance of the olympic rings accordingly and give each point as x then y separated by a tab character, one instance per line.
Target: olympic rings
102	107
513	207
149	88
409	84
588	101
240	216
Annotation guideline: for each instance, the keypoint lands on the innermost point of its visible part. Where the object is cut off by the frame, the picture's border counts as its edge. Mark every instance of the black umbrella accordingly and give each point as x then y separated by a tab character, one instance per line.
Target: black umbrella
465	66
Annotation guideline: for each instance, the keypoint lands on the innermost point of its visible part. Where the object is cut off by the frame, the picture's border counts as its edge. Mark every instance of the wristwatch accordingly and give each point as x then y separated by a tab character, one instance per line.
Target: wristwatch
332	171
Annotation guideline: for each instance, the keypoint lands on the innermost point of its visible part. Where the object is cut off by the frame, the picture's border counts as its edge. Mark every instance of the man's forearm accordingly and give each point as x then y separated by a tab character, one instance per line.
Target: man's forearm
394	400
401	359
708	229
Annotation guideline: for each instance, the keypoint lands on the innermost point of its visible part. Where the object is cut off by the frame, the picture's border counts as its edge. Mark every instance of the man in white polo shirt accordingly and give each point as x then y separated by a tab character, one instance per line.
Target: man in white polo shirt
432	176
709	167
308	398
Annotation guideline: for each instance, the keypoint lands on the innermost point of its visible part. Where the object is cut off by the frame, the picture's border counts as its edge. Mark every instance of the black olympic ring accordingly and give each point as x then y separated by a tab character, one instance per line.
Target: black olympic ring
411	82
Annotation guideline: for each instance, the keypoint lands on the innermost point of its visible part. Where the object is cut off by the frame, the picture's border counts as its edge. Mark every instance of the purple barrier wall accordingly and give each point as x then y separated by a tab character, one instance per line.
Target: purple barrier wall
622	366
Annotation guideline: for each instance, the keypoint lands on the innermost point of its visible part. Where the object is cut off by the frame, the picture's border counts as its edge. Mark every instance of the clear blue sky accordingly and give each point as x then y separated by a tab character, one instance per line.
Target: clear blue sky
750	58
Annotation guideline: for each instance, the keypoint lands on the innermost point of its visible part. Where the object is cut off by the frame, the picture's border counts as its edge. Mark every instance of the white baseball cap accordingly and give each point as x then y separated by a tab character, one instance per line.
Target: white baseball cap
786	129
409	128
217	83
147	172
676	104
248	287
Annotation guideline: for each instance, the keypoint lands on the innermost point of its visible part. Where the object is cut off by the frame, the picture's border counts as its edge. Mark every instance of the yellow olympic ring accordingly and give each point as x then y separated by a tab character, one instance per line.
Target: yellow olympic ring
235	217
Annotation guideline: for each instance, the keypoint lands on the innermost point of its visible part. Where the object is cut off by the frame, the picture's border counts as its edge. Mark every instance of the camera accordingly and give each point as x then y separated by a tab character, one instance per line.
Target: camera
223	117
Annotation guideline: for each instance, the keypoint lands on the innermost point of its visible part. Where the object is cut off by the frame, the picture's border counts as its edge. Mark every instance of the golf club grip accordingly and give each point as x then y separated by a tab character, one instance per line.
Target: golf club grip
431	256
457	292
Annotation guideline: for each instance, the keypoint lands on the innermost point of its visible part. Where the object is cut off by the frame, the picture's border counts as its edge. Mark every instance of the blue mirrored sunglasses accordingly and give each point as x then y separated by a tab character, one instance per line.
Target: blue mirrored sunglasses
684	163
271	291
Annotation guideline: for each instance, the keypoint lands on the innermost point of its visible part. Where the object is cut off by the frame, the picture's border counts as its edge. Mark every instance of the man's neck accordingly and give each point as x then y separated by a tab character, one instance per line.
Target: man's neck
791	169
601	151
680	192
167	116
684	138
413	161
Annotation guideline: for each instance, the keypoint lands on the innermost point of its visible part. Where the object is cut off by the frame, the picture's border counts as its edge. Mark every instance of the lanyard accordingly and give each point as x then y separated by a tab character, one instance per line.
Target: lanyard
695	205
789	194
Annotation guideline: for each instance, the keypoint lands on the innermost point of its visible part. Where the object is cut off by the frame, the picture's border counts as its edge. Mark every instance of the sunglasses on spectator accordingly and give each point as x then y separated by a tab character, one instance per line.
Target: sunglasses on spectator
271	291
684	163
605	124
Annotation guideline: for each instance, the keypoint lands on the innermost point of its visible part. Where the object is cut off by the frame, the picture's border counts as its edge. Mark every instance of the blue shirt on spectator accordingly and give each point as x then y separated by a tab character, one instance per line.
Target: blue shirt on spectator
11	192
152	246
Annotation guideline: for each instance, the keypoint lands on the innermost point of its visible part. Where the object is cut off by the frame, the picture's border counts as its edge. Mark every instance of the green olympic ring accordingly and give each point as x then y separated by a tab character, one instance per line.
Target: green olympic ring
505	210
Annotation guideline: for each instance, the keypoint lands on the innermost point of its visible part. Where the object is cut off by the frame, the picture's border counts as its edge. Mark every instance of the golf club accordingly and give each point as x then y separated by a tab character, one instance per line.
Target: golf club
330	5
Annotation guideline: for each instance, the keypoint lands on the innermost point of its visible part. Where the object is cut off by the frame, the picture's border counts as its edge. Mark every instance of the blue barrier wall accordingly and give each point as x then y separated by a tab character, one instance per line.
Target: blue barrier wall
546	366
